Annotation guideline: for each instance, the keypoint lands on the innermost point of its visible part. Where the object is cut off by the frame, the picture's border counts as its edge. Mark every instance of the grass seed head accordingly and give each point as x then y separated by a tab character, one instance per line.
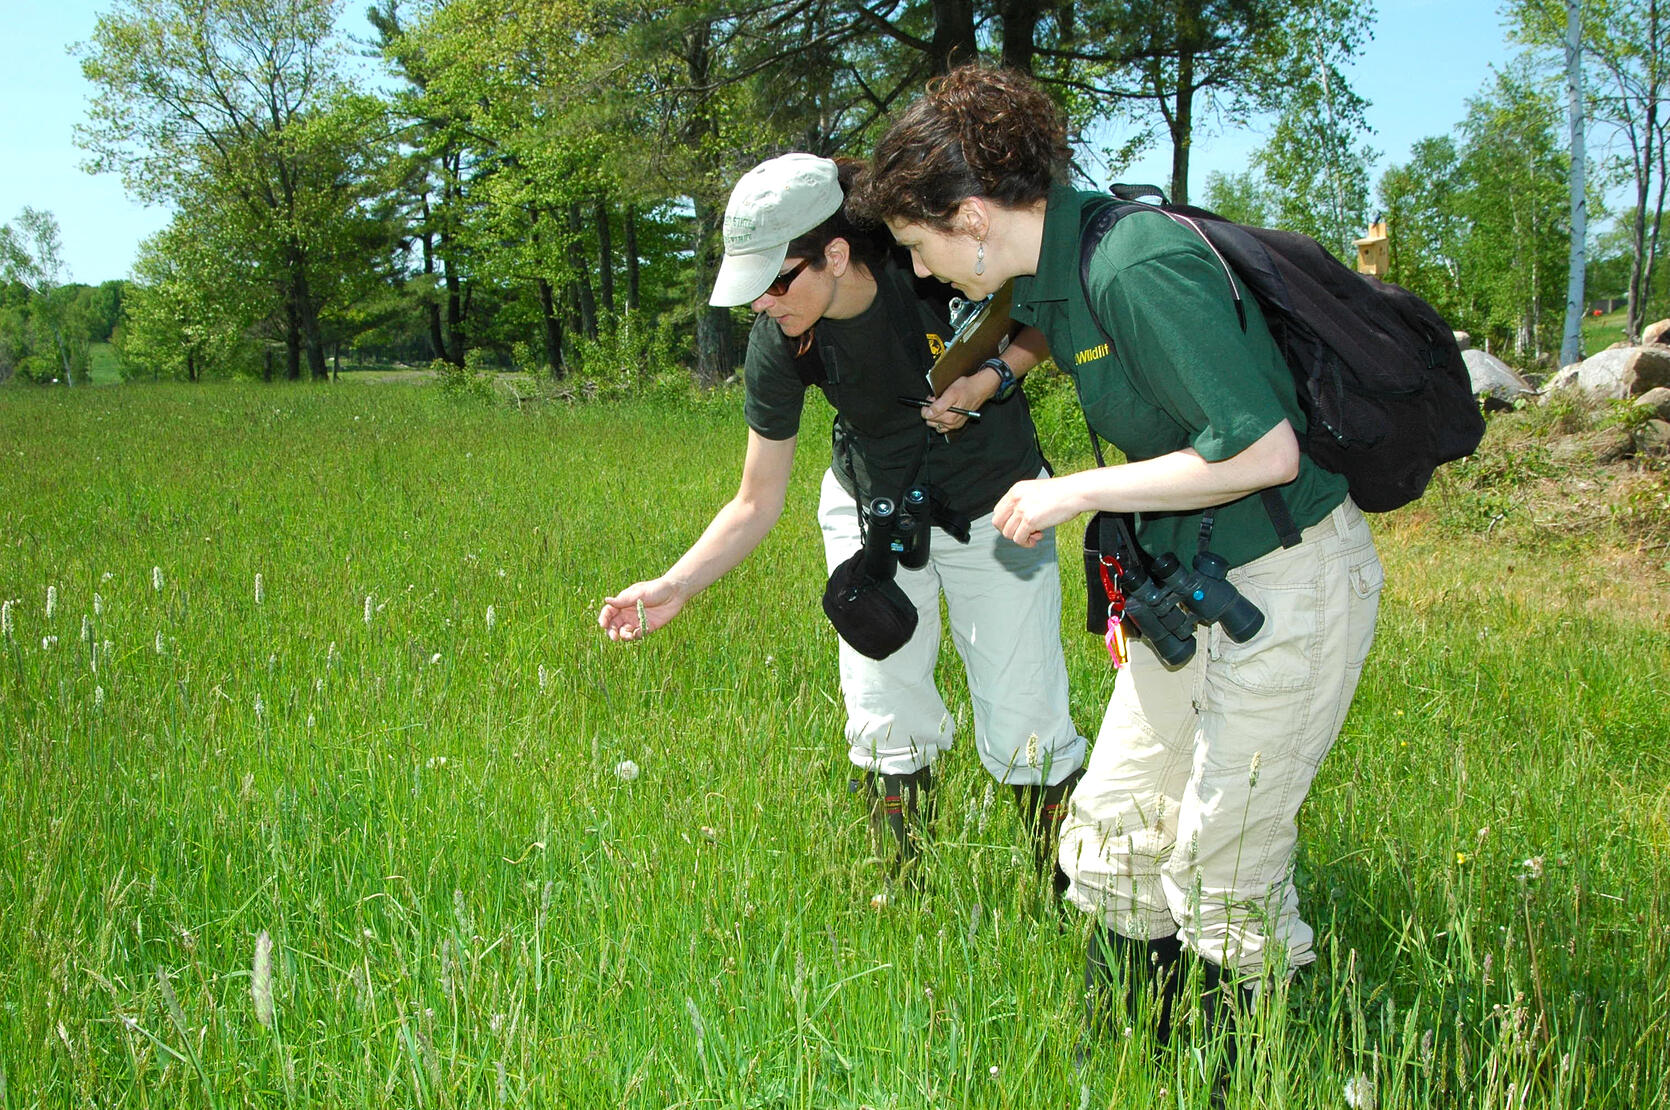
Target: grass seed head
6	619
156	579
260	589
51	601
1359	1093
261	979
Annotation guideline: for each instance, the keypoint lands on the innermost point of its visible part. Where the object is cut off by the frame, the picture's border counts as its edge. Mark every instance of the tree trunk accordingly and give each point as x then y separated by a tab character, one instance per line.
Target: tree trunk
313	340
605	257
292	337
1020	23
431	307
1571	341
713	325
584	302
1182	129
631	223
454	351
953	42
550	329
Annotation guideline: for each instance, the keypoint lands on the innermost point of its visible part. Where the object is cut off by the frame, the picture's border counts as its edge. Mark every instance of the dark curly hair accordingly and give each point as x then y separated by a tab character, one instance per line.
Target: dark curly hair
977	131
869	241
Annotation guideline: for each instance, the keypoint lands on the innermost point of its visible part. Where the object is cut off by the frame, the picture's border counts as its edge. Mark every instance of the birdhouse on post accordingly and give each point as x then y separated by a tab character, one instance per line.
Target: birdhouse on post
1374	252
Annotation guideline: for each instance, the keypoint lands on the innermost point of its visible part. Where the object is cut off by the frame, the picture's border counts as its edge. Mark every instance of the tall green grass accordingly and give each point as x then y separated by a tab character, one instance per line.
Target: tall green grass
405	762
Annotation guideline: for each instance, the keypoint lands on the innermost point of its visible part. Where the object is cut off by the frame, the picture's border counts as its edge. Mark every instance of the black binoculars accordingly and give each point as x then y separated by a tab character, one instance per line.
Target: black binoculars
897	536
1166	606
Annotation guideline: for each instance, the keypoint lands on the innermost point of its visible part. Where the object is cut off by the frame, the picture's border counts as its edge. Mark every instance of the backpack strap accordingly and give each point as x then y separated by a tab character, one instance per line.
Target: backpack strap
1275	506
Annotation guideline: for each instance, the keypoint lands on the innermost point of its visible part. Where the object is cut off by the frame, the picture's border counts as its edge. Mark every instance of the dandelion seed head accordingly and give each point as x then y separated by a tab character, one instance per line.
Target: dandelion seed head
992	1071
626	770
1531	869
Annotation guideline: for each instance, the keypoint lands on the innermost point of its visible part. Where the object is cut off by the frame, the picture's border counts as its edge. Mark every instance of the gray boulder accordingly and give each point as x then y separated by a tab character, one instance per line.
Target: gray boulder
1604	445
1653	438
1463	340
1617	373
1494	379
1656	333
1657	399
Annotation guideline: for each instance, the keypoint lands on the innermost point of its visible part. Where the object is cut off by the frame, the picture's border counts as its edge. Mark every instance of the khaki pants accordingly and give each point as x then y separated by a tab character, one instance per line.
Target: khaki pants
1184	822
1004	602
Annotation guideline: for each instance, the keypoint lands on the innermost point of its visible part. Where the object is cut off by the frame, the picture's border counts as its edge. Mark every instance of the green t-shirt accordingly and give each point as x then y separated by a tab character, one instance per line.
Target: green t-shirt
880	445
1179	372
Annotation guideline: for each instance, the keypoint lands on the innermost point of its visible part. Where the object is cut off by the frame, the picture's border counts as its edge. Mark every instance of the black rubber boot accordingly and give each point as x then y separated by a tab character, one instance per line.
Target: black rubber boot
1135	979
901	809
1225	999
1042	810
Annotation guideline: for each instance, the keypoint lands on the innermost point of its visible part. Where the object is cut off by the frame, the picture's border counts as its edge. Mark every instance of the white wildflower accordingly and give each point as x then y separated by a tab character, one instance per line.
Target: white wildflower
261	980
98	697
544	677
492	618
6	619
310	722
1359	1093
992	1071
434	659
98	604
1252	773
368	610
162	648
260	589
626	770
878	901
156	579
48	642
260	708
1531	869
436	762
51	601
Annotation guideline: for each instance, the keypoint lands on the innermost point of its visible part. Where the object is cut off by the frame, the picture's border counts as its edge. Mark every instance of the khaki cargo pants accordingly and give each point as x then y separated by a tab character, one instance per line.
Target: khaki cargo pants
1184	822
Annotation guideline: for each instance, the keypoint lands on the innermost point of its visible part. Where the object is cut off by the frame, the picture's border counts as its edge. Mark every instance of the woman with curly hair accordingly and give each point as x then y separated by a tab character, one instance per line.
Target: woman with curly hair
1180	839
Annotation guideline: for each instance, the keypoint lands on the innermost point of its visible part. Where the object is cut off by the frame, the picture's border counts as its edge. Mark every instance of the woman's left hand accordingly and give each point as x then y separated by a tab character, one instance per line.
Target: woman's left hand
1031	507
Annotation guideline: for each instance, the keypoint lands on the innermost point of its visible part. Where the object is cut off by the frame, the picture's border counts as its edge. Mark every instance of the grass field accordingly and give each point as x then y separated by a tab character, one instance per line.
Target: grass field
314	775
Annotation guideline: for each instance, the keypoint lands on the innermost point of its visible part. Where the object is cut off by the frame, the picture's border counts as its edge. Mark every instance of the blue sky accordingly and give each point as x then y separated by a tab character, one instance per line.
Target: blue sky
1426	59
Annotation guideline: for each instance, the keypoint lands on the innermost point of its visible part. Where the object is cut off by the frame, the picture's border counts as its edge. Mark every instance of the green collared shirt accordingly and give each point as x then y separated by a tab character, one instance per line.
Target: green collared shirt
1173	370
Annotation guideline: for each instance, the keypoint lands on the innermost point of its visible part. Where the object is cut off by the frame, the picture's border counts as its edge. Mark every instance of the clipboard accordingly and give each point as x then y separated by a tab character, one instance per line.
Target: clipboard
981	336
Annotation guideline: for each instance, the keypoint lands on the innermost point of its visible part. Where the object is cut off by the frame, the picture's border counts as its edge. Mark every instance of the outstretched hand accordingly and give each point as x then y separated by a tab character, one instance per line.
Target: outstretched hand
640	609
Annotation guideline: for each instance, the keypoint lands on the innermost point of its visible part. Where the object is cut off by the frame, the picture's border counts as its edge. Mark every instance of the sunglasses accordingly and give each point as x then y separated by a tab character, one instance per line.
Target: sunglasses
786	278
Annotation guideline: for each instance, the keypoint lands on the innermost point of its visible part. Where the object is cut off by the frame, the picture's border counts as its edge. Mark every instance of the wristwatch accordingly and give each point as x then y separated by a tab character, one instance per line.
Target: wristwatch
1007	383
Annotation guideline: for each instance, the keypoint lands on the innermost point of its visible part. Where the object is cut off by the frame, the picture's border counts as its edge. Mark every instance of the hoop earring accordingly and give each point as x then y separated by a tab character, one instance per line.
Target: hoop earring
980	259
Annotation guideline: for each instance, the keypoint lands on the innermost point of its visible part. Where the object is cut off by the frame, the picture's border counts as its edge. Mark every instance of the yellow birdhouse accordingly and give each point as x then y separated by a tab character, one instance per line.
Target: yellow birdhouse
1374	252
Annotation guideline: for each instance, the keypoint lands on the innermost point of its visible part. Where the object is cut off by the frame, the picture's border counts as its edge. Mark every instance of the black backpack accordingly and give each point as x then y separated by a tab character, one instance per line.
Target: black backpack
1379	374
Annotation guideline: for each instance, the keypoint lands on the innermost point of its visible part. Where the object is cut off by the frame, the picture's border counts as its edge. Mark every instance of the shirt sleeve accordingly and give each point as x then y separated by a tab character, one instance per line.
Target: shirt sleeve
1174	311
773	392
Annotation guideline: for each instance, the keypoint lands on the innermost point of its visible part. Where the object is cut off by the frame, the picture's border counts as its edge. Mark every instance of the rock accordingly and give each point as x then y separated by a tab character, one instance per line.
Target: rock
1604	445
1619	345
1657	399
1464	341
1658	333
1653	438
1619	373
1494	379
1565	379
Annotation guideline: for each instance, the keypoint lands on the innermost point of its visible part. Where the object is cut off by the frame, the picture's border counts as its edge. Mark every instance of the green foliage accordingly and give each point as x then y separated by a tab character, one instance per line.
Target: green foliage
627	354
471	382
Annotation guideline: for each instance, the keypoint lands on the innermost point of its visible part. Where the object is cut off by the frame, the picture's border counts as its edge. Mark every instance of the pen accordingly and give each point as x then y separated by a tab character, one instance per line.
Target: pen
922	403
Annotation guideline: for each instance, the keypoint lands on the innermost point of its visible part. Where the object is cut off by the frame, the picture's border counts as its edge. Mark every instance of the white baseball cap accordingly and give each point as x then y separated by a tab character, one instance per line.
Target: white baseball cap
774	203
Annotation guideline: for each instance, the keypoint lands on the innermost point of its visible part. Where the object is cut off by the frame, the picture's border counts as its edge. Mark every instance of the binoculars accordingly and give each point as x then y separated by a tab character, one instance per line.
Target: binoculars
898	534
1166	606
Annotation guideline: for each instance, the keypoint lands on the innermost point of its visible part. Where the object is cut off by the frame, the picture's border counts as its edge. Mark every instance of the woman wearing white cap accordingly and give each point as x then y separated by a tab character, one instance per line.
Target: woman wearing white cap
835	311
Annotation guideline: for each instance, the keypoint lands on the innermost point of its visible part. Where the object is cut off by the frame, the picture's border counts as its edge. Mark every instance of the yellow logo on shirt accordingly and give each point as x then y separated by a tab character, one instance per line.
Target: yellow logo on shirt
936	345
1091	355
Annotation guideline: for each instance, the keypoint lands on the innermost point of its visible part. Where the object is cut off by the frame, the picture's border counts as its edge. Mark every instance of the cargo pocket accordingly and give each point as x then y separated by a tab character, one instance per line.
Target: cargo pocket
1367	580
1281	656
